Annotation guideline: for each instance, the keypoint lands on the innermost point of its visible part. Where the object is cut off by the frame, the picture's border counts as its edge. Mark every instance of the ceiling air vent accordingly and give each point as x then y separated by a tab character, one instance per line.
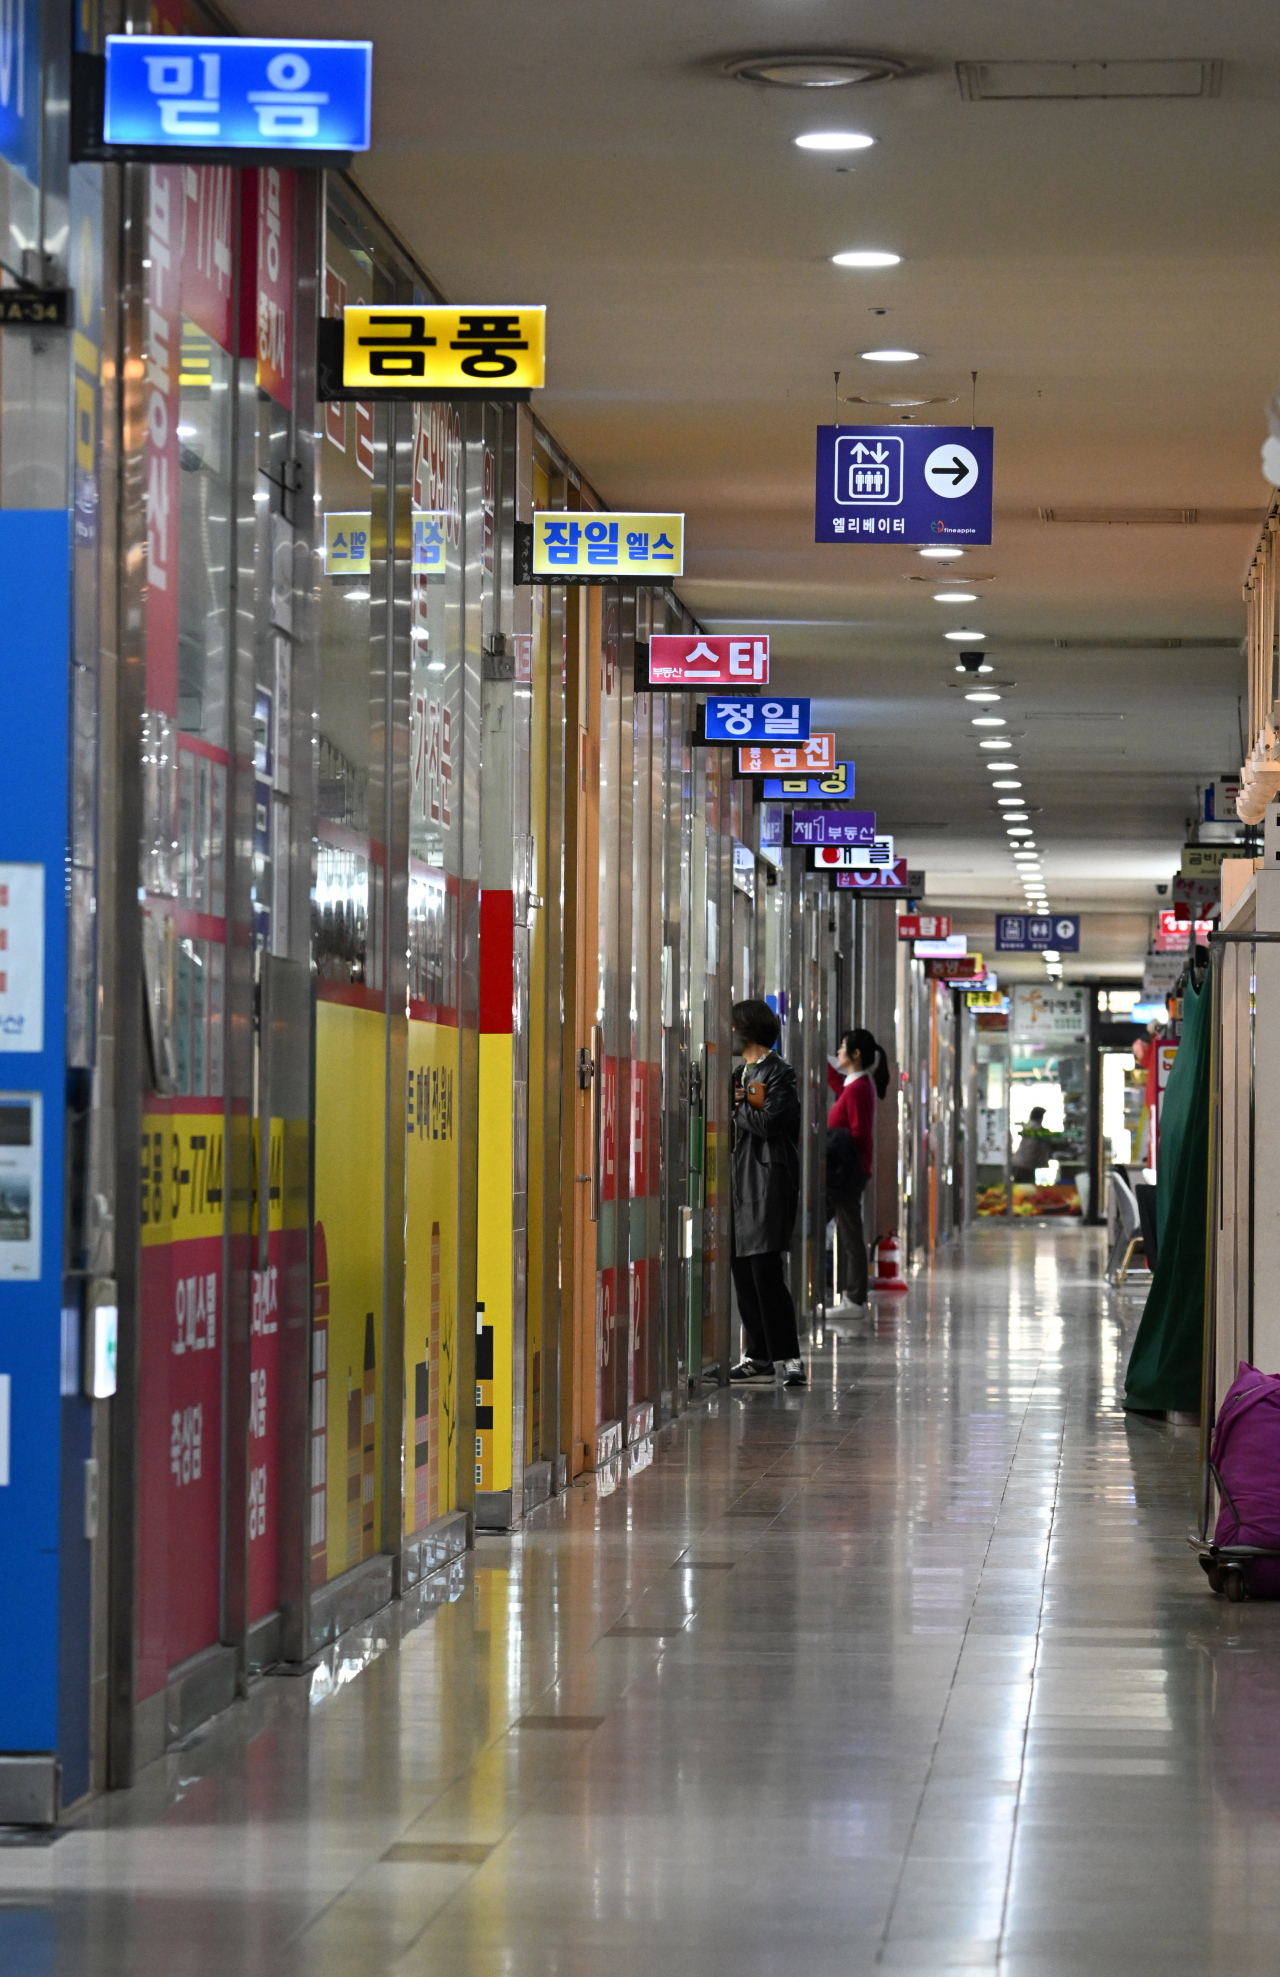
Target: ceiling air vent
820	71
1148	644
1066	82
1157	517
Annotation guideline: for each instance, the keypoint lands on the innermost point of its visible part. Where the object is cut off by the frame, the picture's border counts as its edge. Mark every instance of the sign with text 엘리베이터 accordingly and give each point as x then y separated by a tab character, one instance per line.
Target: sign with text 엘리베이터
780	722
346	544
833	827
215	93
679	661
815	756
602	546
834	785
904	484
1031	933
412	347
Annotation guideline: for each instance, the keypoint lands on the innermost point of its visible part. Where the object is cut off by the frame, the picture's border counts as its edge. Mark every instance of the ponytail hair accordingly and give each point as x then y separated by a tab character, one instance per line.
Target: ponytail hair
872	1056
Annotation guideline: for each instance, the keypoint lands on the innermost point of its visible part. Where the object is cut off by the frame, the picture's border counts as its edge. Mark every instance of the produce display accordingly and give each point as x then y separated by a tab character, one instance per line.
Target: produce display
1030	1200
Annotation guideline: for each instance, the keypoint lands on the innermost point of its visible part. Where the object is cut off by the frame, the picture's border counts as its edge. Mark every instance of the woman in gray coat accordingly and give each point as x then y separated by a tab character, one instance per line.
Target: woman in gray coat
765	1190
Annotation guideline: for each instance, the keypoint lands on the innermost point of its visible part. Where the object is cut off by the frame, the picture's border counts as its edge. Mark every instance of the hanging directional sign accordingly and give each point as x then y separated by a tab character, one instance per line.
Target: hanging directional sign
834	785
1031	933
893	879
767	720
850	857
677	661
206	93
816	756
830	827
915	484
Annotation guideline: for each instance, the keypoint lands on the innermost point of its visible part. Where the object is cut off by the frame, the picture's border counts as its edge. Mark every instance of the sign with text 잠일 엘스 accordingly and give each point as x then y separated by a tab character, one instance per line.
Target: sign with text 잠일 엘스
814	756
678	661
227	93
850	857
834	785
915	484
775	721
428	348
833	826
1030	933
600	545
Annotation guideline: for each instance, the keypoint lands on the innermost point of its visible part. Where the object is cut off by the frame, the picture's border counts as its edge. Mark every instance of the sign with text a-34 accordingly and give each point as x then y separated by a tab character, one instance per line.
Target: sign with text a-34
904	484
237	94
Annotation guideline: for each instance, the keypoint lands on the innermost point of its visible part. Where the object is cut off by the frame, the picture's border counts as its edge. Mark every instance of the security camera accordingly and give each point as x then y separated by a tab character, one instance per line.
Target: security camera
971	661
1162	890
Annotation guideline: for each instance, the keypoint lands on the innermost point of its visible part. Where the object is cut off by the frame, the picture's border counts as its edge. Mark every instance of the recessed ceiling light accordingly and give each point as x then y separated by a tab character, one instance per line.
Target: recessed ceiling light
1006	799
790	71
834	140
1019	830
988	721
872	257
890	356
965	638
938	554
1015	802
1000	769
984	693
955	596
995	744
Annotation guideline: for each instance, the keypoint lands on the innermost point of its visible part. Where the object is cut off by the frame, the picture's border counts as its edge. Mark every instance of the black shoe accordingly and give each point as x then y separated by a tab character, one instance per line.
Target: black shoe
752	1369
793	1373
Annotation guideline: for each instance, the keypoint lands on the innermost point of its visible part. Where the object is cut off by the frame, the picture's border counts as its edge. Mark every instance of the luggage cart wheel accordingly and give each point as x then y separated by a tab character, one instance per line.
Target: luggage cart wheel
1214	1575
1233	1583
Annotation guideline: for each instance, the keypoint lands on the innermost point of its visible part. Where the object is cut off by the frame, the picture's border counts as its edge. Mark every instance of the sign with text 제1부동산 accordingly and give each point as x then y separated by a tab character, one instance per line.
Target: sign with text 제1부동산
767	720
916	484
833	827
206	93
678	661
835	785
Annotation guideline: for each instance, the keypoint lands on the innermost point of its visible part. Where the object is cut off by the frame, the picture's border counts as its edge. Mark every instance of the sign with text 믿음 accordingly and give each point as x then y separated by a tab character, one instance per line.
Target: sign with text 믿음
833	827
917	484
599	548
207	92
815	756
767	720
834	785
1031	933
678	661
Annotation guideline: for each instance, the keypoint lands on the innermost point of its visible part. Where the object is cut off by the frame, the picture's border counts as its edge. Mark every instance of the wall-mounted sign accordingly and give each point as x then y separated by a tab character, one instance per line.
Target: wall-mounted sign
835	785
598	548
832	827
814	757
781	722
678	661
894	879
1031	933
851	857
912	484
346	544
220	93
33	308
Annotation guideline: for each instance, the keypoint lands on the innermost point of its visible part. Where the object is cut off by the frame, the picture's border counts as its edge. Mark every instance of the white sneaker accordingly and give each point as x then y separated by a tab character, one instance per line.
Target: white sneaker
846	1309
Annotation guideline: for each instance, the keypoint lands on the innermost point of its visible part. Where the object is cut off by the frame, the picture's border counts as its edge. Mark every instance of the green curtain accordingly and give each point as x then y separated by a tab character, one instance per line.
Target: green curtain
1165	1364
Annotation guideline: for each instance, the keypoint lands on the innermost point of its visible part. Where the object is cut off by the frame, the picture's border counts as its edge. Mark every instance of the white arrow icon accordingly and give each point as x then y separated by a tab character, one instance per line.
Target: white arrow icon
951	471
1065	929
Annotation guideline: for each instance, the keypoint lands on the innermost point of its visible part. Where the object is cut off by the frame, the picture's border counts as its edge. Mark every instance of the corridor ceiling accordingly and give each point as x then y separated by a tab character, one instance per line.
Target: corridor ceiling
1107	267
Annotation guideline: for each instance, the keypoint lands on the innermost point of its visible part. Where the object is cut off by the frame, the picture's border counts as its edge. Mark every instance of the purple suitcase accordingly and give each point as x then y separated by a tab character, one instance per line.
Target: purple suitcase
1246	1466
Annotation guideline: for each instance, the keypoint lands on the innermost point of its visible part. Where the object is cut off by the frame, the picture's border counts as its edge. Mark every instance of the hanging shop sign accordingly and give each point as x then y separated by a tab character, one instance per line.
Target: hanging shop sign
813	757
1204	861
893	880
1173	934
956	968
678	662
1030	933
851	857
346	544
159	94
783	723
587	548
1045	1017
412	351
834	785
987	998
921	484
929	950
924	926
1199	895
828	827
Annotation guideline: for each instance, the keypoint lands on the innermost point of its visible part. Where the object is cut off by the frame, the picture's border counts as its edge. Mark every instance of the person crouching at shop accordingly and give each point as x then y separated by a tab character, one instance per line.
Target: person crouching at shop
764	1194
851	1147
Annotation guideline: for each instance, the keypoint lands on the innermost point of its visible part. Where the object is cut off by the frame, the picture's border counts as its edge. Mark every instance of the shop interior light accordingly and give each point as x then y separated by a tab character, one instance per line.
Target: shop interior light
834	140
938	554
871	257
890	356
955	596
965	638
356	596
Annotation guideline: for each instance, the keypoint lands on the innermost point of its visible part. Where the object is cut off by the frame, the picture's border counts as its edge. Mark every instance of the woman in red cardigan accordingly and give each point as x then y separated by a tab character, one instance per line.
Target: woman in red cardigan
849	1160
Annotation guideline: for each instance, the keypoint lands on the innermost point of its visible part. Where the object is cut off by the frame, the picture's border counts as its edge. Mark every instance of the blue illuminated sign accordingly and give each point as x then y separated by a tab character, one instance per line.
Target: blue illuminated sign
1029	933
757	719
222	93
912	484
20	51
835	784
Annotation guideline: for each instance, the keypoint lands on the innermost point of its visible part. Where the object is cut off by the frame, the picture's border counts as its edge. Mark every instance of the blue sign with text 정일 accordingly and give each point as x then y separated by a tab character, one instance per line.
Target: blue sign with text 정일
765	720
229	94
890	484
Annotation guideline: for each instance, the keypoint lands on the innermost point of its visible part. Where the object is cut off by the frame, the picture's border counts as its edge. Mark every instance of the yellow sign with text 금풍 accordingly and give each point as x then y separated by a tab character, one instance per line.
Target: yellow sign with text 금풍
407	347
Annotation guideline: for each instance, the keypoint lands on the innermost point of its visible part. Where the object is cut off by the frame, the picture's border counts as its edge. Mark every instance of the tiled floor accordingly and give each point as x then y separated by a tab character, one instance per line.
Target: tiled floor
913	1671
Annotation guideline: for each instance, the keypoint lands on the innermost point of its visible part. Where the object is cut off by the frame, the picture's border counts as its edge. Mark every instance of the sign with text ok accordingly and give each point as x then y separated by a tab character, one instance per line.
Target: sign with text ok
677	661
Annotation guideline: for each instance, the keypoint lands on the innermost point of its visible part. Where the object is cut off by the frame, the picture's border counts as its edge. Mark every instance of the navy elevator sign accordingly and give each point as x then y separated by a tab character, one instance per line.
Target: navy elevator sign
1028	933
904	484
227	93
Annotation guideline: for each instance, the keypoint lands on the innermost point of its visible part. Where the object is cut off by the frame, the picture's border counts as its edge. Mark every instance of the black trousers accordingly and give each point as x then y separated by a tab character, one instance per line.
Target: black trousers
765	1307
851	1245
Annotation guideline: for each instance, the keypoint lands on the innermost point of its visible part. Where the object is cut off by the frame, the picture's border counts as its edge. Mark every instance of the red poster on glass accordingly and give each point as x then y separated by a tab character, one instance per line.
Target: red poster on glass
162	349
207	205
264	1431
609	1131
274	324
